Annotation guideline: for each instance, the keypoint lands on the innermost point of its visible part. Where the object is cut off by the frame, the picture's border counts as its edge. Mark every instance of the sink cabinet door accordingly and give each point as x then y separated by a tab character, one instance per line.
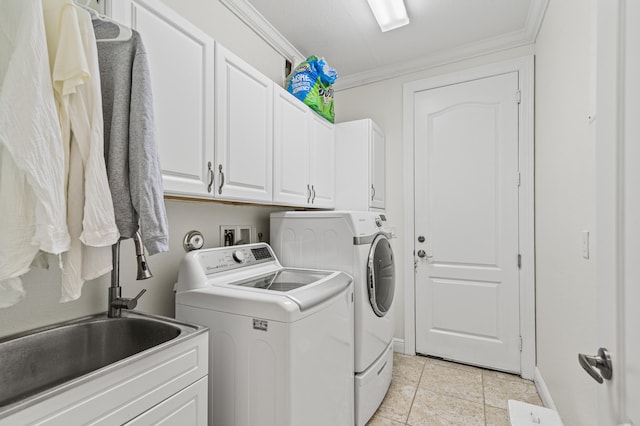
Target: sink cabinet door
187	407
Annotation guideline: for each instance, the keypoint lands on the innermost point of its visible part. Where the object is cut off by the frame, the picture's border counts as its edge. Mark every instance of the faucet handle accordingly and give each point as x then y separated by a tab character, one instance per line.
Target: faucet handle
124	303
132	303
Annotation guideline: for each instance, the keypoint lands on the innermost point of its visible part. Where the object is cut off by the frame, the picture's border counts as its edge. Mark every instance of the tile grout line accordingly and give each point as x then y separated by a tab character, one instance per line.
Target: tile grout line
484	398
406	422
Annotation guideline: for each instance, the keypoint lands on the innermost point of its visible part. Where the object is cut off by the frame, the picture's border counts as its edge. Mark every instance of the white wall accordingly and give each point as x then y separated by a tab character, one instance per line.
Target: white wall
565	205
41	305
382	101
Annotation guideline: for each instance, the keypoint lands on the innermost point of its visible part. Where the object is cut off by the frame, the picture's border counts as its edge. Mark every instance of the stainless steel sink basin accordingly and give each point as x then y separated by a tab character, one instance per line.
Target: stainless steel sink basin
36	363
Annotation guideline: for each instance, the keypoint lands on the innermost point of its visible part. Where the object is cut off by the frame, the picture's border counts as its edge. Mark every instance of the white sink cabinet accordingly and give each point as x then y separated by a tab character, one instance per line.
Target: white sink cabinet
169	384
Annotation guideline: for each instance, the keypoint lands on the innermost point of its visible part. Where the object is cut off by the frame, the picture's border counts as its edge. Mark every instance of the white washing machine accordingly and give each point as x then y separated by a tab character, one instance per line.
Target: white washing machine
356	243
281	339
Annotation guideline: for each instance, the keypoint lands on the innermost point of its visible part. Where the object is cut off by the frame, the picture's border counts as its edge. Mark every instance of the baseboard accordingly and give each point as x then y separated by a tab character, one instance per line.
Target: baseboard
543	391
398	345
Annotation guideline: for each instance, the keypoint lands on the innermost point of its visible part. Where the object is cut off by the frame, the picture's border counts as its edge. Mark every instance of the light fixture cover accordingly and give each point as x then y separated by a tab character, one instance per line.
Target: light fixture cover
390	14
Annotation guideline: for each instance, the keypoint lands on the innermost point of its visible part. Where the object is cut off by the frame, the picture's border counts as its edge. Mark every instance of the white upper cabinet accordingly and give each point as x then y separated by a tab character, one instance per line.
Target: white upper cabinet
377	168
360	165
304	154
244	130
322	165
290	150
180	59
223	129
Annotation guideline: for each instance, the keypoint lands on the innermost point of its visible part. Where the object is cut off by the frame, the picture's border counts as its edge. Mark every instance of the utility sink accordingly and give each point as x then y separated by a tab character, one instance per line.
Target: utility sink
36	364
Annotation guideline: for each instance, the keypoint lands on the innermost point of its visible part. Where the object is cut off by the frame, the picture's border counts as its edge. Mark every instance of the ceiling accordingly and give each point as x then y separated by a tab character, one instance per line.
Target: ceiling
346	34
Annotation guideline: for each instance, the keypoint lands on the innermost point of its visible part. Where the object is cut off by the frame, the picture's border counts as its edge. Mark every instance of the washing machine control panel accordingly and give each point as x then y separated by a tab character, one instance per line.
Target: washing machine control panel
228	258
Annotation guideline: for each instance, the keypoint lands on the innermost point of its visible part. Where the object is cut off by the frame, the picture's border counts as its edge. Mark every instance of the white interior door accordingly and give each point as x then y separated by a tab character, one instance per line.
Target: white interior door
618	209
466	222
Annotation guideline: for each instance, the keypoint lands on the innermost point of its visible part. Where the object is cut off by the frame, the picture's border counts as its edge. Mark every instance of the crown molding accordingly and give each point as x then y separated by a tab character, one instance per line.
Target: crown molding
524	37
254	20
534	18
437	59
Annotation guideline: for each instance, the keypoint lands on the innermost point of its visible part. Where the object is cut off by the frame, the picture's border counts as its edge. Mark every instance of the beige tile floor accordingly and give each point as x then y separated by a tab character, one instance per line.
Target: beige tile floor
428	391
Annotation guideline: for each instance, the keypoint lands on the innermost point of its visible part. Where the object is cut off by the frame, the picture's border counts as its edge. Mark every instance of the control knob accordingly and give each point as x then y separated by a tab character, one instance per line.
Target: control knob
238	256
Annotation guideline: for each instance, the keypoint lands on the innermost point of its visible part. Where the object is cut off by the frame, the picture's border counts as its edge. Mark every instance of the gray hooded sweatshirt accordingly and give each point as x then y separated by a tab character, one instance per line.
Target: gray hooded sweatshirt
133	167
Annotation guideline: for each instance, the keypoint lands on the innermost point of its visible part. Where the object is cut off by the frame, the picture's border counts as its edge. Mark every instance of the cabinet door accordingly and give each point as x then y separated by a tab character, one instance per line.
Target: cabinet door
180	59
322	166
290	150
187	407
377	168
244	130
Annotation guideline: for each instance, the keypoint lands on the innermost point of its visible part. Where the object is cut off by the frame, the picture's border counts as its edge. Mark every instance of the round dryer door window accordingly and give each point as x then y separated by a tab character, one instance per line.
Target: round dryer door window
381	277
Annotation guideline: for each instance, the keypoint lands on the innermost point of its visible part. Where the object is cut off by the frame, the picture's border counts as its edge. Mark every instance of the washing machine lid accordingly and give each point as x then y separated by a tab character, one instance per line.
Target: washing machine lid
284	295
306	287
283	280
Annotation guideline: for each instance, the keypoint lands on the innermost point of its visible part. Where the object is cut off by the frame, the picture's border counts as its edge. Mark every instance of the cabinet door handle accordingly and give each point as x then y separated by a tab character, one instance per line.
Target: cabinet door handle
221	179
308	194
210	178
313	199
373	192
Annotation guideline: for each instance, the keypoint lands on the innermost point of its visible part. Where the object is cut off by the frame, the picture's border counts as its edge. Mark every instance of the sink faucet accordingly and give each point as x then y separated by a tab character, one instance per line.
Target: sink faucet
116	301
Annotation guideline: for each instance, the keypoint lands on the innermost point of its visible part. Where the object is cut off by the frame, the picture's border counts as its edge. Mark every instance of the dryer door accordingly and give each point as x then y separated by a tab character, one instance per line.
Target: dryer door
381	277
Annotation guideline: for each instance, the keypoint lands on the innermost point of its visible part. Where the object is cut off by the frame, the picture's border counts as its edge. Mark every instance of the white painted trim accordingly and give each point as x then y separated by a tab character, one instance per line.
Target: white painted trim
543	390
526	36
398	345
409	228
610	149
254	20
534	18
437	59
525	68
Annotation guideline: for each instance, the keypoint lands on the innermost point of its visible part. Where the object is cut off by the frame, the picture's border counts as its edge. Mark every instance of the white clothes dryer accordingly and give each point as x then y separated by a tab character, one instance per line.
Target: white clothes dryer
280	339
357	243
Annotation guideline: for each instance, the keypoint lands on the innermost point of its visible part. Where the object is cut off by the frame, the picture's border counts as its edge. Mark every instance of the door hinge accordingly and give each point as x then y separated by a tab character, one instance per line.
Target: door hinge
518	96
519	261
520	343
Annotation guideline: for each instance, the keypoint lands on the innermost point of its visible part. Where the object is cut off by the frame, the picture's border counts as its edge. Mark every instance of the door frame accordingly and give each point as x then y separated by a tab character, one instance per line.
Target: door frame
525	68
610	148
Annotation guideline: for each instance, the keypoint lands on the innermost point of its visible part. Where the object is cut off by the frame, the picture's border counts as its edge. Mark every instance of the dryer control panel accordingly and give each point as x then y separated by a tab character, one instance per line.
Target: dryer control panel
223	259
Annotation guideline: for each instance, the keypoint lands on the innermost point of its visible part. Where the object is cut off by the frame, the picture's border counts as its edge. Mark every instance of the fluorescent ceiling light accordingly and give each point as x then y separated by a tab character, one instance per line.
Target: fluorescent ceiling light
390	14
